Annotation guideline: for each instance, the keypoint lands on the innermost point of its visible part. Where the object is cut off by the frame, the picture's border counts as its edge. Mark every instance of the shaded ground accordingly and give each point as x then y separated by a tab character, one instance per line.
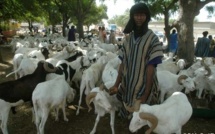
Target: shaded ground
21	123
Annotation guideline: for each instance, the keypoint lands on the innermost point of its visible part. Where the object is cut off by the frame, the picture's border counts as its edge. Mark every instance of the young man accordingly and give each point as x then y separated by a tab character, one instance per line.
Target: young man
203	46
173	42
141	52
71	34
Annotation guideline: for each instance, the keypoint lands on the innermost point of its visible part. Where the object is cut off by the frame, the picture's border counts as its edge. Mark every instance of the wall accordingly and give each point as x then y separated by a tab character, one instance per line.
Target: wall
199	27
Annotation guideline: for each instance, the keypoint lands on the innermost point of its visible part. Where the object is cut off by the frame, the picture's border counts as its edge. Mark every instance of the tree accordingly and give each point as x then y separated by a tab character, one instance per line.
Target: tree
81	9
120	20
96	15
188	9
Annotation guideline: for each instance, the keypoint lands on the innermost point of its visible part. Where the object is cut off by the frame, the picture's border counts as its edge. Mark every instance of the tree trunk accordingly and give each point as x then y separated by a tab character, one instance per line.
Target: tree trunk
167	28
80	28
188	10
185	30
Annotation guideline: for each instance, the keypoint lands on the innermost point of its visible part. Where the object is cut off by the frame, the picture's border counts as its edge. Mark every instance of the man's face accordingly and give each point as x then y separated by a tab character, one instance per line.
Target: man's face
139	18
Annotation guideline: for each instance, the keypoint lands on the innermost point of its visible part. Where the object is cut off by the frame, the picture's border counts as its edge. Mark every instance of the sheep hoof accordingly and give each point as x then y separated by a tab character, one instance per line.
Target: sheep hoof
65	119
56	119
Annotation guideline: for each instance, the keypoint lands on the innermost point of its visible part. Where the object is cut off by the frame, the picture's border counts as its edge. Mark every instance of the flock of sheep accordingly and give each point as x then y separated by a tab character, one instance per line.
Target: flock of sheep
50	71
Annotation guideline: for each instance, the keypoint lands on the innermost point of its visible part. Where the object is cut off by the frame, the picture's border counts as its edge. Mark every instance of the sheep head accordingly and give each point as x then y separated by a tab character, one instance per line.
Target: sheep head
151	118
180	78
141	119
49	67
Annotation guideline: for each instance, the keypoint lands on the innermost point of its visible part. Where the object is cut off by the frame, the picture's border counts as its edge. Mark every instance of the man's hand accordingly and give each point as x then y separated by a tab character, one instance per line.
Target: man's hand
113	90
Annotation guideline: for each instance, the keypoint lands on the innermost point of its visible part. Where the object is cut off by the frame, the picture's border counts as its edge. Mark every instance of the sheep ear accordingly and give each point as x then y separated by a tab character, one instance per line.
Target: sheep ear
151	118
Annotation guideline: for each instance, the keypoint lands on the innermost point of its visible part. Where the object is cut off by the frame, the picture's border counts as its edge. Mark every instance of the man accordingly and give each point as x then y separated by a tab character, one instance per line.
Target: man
203	46
141	52
71	34
112	37
173	42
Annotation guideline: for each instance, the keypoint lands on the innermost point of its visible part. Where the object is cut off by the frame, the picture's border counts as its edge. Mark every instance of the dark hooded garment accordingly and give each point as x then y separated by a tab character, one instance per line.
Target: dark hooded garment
138	8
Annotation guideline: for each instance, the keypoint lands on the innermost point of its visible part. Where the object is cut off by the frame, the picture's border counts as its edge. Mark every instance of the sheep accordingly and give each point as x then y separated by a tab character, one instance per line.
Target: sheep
91	76
204	79
24	68
181	63
41	54
48	95
169	83
165	118
35	55
17	58
13	93
168	65
103	103
110	72
190	71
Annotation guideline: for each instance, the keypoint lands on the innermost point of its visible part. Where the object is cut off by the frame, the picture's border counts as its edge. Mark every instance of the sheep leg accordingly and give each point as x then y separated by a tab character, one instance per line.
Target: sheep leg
95	125
199	93
4	116
81	93
56	114
112	119
37	116
64	111
33	114
43	121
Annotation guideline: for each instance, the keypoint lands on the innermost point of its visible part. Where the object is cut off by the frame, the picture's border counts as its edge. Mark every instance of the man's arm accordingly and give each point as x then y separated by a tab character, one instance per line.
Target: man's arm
149	80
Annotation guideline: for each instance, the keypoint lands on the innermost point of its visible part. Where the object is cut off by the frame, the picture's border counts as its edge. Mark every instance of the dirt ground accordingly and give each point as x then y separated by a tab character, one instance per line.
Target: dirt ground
21	123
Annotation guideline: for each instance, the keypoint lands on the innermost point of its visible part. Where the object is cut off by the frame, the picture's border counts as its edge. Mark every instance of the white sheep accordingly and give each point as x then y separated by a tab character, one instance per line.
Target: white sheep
169	66
17	58
190	71
110	72
169	83
181	63
27	66
103	103
48	95
165	118
91	77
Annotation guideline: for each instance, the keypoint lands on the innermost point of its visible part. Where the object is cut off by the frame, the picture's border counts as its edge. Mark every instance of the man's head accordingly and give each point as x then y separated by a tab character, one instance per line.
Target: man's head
140	9
139	17
205	33
173	31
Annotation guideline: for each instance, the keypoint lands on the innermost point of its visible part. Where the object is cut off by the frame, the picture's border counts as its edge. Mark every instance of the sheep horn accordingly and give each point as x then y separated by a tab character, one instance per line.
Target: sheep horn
89	99
209	71
48	69
151	118
202	61
182	77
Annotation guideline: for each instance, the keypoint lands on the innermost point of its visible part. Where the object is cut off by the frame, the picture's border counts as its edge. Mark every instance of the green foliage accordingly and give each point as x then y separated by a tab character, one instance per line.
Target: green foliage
120	20
96	15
